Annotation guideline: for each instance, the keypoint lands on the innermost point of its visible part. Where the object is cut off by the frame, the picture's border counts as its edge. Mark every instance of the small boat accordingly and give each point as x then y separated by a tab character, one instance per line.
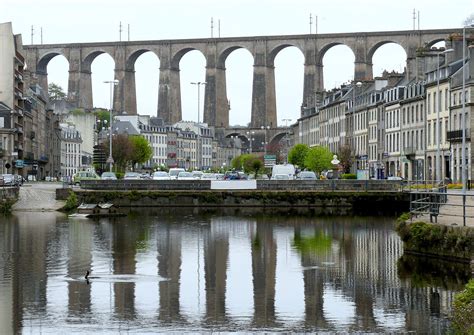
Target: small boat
96	211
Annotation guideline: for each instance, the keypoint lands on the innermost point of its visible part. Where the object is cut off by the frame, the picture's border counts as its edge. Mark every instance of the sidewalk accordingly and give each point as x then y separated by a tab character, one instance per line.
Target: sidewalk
451	213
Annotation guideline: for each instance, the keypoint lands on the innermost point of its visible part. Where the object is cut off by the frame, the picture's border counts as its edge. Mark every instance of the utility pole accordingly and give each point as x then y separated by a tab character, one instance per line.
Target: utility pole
212	27
32	33
310	23
120	31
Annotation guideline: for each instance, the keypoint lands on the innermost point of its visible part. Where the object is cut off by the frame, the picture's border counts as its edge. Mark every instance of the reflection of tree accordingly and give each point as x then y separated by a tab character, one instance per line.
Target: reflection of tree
319	243
428	272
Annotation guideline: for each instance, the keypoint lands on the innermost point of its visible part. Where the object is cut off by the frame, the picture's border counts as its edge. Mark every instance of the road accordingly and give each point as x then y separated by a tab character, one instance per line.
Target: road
39	196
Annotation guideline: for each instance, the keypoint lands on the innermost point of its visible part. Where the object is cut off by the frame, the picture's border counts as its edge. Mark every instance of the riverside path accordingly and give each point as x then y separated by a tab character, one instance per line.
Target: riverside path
40	196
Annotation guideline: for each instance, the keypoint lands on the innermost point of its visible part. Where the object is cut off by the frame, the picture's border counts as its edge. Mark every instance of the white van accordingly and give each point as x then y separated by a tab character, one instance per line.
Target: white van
286	169
173	172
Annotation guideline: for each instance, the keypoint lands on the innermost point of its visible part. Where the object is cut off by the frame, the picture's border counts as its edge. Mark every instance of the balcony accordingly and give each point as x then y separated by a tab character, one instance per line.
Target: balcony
32	135
409	151
18	76
456	135
43	159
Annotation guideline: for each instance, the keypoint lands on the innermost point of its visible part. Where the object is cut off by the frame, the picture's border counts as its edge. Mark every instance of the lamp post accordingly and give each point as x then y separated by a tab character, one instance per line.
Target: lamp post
265	143
250	135
438	126
198	84
112	83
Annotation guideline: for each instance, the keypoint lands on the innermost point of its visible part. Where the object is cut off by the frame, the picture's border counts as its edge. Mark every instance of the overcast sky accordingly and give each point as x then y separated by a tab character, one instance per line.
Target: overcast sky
70	21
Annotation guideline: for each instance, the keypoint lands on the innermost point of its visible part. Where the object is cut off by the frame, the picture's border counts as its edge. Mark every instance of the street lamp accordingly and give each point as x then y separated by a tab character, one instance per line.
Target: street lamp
438	126
265	143
250	135
112	83
199	93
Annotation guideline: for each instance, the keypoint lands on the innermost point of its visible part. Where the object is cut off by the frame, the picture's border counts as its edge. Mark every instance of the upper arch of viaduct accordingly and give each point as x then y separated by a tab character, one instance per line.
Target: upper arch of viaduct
264	50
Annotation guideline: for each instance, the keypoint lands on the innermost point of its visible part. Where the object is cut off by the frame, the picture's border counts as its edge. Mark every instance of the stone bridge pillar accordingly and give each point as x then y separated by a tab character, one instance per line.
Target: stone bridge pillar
42	79
313	78
216	106
362	63
125	95
80	82
169	90
263	89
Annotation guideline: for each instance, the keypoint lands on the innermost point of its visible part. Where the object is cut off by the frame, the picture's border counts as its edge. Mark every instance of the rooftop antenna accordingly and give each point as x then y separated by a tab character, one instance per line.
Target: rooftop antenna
316	24
219	27
418	20
128	31
212	27
120	31
32	33
41	35
414	18
310	23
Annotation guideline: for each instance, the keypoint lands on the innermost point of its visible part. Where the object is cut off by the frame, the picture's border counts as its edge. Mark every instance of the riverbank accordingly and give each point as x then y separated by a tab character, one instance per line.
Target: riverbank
449	242
38	196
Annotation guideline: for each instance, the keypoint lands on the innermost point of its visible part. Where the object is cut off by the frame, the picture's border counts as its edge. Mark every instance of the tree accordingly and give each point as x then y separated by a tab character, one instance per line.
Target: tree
346	157
141	150
297	155
55	92
318	159
122	150
252	164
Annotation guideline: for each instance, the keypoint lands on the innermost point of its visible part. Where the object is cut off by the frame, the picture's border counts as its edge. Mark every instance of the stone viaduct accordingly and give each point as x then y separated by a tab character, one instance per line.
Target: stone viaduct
216	50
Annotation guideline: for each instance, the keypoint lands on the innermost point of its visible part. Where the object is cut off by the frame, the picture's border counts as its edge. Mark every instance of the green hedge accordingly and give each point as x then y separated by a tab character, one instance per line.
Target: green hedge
349	176
463	310
457	242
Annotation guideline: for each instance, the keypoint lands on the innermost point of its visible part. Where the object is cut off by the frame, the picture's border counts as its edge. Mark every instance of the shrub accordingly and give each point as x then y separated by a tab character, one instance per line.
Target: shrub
463	310
349	176
71	202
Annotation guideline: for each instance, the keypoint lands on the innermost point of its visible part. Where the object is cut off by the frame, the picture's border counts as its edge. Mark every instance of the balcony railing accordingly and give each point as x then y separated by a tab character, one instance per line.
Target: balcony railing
409	151
456	135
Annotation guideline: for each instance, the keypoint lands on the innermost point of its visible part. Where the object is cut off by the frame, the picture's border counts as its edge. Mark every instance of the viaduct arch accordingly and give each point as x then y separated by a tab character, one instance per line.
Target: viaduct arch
264	49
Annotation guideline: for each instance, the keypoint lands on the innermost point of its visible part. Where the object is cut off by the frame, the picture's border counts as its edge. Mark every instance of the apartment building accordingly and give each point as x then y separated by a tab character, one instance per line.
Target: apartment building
12	88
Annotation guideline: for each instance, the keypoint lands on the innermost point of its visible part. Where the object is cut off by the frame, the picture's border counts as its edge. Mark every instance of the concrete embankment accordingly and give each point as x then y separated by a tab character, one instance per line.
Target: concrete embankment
38	197
340	203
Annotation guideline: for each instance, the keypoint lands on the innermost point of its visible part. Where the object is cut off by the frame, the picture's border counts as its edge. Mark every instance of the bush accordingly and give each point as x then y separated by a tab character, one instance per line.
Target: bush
119	175
349	176
463	310
71	202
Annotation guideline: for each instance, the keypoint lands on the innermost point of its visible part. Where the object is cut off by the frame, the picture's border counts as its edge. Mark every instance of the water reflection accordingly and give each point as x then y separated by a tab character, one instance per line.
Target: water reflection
191	271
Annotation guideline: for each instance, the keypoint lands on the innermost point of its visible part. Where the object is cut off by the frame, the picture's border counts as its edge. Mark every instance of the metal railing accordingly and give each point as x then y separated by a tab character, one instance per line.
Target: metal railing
437	202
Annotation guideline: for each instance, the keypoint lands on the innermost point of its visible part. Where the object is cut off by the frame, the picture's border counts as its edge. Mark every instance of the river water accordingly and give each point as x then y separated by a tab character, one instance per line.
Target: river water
187	271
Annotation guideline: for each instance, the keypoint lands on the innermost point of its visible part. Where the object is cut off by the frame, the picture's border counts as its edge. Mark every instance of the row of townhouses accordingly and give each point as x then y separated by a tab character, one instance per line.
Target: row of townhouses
400	127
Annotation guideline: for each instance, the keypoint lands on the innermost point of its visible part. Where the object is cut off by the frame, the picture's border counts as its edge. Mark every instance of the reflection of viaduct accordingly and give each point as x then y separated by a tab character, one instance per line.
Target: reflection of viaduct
362	258
264	49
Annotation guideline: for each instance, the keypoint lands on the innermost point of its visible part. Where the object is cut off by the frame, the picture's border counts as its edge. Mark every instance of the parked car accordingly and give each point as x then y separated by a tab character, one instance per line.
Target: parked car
232	175
108	176
306	175
84	175
160	175
394	178
219	176
208	176
131	176
197	174
19	180
8	179
173	172
281	177
288	169
145	176
183	175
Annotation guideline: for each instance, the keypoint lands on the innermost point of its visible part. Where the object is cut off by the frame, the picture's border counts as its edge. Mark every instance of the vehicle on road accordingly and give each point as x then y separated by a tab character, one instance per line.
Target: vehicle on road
8	179
394	178
84	175
232	175
132	176
197	174
173	172
160	175
208	176
108	176
306	175
219	176
288	169
281	176
183	175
